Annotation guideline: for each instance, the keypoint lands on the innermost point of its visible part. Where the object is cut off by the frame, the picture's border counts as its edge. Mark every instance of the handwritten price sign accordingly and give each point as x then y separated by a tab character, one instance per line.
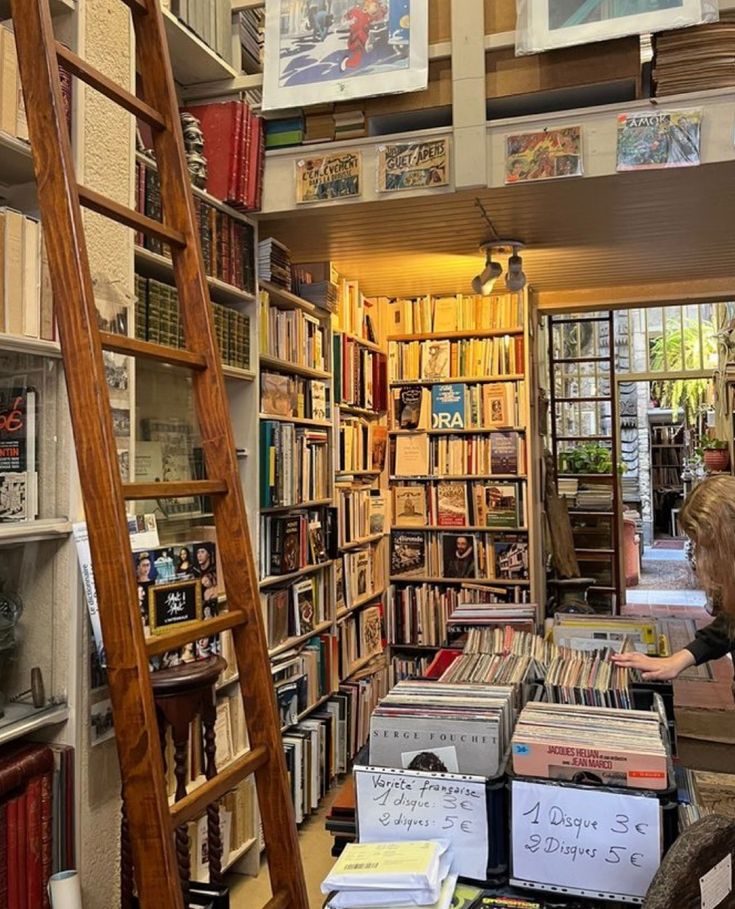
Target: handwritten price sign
400	805
598	843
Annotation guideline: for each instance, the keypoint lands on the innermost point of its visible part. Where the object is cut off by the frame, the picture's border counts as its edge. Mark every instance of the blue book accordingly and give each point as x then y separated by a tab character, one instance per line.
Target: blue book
448	406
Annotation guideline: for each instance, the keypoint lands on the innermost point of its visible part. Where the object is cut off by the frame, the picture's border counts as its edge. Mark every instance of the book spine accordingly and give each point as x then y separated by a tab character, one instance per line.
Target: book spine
11	833
3	854
34	845
46	836
22	851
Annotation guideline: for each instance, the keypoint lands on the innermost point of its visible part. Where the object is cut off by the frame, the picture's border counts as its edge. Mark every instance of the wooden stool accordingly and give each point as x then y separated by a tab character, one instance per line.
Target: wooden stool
180	694
697	851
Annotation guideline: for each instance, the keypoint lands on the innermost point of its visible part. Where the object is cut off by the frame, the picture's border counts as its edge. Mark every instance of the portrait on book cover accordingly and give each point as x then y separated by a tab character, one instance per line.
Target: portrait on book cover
320	51
546	24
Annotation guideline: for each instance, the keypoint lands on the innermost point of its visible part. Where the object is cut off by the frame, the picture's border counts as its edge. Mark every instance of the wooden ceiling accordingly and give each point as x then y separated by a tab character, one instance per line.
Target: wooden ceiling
639	228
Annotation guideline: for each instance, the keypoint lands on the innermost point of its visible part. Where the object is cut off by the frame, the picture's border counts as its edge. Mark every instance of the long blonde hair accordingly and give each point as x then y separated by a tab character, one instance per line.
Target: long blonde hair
708	519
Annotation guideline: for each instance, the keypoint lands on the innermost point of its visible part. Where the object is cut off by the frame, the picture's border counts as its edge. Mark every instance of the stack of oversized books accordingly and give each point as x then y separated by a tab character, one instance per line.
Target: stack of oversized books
391	875
274	263
695	59
592	744
447	728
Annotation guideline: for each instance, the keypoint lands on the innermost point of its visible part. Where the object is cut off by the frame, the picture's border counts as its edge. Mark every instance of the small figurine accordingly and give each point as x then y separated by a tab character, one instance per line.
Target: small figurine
194	147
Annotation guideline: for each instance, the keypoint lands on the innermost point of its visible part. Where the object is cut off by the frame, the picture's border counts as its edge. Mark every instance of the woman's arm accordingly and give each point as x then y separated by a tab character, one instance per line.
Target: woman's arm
712	642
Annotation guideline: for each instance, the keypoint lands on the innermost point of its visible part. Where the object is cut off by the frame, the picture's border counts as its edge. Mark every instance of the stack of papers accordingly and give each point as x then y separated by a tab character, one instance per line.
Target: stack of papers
391	875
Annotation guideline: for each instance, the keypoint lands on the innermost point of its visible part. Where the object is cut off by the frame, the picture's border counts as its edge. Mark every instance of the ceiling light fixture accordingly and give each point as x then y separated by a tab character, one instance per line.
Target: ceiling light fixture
485	282
515	279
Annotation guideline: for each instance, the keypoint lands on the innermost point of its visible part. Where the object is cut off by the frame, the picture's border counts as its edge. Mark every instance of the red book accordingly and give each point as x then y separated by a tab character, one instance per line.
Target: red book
261	165
240	201
11	833
254	167
3	855
233	188
47	836
22	857
220	125
33	843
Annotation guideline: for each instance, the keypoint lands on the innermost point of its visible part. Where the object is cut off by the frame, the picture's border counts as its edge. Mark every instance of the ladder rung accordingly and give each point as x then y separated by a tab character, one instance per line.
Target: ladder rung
195	803
133	347
160	643
99	81
279	901
102	205
175	489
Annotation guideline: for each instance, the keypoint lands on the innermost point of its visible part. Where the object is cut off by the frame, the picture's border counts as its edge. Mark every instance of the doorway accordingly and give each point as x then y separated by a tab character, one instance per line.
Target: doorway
636	391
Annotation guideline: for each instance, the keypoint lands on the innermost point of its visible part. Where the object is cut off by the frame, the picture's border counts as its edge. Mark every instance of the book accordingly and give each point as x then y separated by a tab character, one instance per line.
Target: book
448	406
316	543
451	508
435	360
303	594
409	506
504	453
409	407
412	455
377	513
379	447
458	555
279	613
511	559
502	506
277	394
318	400
287	544
18	453
407	553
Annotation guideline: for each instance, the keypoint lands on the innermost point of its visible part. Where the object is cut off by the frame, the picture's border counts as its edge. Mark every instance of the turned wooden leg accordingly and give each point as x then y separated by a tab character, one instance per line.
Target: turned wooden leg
181	746
214	834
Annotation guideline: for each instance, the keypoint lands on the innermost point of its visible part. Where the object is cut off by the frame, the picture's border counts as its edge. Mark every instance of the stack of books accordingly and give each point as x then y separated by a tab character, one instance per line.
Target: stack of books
595	497
349	124
567	487
211	20
391	874
274	263
695	59
252	38
319	127
323	294
26	300
591	744
443	727
285	132
486	617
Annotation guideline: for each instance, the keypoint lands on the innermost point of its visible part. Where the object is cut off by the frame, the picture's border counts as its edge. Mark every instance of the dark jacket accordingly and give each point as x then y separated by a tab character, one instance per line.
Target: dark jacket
713	641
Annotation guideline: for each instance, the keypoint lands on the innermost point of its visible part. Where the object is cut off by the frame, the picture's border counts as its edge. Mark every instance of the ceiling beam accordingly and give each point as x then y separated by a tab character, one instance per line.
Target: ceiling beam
624	296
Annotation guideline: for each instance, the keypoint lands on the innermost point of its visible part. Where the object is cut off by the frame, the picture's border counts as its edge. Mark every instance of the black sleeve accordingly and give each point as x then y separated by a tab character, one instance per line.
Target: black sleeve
712	642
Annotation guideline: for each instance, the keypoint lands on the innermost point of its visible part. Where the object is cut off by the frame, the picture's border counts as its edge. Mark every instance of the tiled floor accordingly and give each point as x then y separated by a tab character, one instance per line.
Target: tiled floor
316	845
653	597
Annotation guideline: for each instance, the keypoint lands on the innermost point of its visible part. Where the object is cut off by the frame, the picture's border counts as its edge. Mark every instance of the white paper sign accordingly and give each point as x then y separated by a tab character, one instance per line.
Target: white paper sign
595	842
402	805
716	884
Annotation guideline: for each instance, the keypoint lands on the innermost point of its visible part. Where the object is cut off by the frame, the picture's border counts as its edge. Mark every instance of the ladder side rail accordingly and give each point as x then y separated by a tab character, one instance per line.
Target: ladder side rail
233	538
132	700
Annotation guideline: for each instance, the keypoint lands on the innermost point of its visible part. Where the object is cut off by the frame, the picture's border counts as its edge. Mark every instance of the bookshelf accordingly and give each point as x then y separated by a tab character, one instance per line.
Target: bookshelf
463	472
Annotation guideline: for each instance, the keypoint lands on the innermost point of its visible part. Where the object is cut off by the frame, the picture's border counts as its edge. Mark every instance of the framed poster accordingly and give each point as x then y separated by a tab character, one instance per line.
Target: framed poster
546	24
413	165
659	139
543	156
173	606
319	51
335	176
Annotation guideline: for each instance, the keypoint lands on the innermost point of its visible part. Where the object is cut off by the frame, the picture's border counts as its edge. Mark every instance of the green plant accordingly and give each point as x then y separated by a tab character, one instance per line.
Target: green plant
708	444
679	350
589	457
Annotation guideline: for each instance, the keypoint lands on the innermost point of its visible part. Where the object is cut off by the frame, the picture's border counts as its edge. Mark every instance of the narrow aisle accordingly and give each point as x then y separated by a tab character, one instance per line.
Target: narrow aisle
316	846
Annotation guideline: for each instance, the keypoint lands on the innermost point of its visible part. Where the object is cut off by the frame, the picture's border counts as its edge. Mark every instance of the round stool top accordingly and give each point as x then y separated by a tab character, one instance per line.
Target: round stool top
187	677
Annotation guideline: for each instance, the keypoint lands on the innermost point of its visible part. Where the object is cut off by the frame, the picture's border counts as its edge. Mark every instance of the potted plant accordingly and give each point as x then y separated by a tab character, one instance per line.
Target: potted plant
589	457
715	454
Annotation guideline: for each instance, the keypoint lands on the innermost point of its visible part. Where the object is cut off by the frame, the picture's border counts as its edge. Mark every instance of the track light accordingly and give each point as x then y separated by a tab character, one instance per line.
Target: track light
515	279
485	281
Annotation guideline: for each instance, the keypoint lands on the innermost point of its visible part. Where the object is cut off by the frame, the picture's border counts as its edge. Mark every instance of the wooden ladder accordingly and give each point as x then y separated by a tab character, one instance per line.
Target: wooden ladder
152	822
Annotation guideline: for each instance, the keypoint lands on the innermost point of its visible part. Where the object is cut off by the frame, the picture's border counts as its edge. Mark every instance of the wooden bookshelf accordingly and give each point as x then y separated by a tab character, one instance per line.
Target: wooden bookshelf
528	588
293	368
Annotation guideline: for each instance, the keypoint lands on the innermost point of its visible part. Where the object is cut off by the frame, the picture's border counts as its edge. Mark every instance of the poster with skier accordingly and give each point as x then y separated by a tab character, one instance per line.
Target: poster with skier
319	51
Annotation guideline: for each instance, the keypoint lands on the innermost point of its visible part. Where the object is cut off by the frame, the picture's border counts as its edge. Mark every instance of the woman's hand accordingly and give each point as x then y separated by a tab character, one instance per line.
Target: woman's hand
655	669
